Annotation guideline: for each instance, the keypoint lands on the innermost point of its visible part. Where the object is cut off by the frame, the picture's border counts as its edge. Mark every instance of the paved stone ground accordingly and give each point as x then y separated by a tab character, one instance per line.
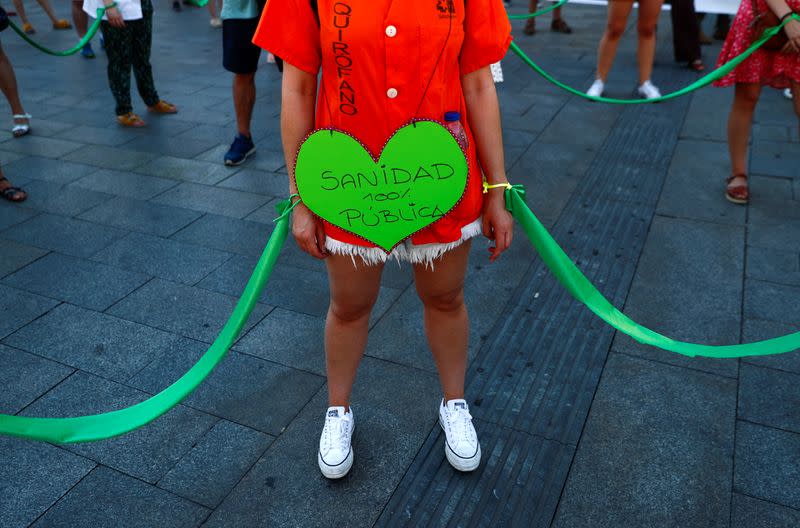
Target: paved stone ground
119	270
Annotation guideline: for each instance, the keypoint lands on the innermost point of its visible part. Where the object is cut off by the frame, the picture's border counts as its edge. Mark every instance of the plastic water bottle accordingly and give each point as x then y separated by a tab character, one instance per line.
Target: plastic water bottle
452	121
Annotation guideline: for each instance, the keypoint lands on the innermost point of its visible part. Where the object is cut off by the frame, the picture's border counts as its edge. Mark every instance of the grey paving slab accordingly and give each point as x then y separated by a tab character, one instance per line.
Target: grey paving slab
258	181
61	199
187	170
25	377
189	311
96	135
227	234
215	200
178	147
15	256
774	159
770	189
39	168
302	291
596	123
12	214
141	216
769	397
78	281
163	258
65	235
266	214
695	182
754	513
289	338
652	425
395	410
20	308
704	120
219	460
767	464
147	453
28	483
265	159
778	235
774	265
517	484
125	183
694	295
109	498
242	389
773	302
40	146
757	329
94	342
110	157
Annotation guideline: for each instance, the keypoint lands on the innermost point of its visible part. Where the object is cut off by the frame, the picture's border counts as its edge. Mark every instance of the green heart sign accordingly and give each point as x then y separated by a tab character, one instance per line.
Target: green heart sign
418	178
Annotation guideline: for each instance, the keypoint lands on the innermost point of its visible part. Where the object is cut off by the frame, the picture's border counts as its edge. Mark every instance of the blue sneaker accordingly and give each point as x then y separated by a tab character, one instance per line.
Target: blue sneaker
87	52
241	148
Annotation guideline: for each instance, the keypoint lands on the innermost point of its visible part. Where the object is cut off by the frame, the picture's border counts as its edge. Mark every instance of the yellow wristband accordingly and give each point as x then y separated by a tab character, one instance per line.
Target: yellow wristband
486	186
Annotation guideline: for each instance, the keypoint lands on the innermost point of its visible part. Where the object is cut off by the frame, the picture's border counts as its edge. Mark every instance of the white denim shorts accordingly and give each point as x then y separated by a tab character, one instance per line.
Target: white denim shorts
406	251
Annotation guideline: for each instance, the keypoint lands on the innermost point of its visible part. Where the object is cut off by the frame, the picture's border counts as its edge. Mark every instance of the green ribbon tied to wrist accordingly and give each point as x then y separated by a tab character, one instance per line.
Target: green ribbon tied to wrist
90	33
584	291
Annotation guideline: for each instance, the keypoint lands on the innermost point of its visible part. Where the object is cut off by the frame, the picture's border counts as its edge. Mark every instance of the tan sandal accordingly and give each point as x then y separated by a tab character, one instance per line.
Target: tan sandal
130	120
163	107
738	194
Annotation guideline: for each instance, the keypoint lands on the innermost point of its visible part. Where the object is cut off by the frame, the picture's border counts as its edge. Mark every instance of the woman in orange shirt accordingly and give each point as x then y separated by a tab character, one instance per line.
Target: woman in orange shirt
384	63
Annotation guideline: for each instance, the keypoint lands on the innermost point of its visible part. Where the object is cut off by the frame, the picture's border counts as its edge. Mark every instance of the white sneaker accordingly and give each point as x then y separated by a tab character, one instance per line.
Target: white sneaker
648	90
335	456
461	441
597	88
787	93
216	22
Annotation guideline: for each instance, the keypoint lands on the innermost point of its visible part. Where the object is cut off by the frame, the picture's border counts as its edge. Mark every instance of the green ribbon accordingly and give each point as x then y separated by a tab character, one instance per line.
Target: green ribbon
115	423
90	33
584	291
720	72
539	12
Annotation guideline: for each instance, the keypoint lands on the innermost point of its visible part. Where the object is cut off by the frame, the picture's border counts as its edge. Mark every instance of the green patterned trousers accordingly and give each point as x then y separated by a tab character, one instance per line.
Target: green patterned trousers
128	47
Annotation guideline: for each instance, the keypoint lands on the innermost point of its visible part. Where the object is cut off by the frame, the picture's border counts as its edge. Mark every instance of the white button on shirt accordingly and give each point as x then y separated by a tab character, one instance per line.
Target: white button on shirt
391	93
391	31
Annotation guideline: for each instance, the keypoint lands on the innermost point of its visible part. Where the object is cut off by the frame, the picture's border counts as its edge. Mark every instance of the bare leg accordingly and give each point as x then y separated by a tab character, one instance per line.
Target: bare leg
80	19
212	8
441	291
49	10
796	98
557	14
354	290
8	85
20	9
618	12
739	122
646	26
244	98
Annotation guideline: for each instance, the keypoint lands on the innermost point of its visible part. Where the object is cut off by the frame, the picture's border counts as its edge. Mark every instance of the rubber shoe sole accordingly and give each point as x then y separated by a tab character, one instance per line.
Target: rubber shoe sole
231	163
458	462
338	471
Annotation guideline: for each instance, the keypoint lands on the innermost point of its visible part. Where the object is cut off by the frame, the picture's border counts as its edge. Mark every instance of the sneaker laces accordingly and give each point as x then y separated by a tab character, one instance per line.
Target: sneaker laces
460	424
335	432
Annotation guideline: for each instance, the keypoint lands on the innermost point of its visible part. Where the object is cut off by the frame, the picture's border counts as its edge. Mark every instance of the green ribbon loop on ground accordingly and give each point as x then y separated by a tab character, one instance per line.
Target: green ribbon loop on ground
539	12
115	423
90	33
719	73
584	291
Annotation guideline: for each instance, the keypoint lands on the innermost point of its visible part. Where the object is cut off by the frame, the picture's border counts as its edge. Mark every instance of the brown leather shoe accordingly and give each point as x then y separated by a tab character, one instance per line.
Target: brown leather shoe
530	27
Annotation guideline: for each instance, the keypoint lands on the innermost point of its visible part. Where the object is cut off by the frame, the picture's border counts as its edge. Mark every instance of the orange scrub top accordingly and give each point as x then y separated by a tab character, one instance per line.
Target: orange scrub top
376	58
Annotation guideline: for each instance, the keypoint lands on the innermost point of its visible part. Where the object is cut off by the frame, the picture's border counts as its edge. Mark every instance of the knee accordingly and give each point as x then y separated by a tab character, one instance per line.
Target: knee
349	311
646	31
444	301
614	31
748	98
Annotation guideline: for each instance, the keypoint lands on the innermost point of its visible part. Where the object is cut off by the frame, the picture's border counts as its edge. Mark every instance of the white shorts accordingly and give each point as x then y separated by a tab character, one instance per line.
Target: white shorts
406	251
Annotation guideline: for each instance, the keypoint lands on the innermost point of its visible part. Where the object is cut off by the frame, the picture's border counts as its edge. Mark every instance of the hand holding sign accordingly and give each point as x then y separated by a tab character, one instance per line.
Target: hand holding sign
419	177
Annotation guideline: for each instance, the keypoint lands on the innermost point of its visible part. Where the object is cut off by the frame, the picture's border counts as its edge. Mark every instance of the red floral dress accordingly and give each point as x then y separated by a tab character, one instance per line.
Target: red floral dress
772	68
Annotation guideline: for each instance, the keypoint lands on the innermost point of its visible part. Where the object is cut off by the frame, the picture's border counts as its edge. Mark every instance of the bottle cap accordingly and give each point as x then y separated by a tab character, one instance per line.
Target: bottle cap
452	116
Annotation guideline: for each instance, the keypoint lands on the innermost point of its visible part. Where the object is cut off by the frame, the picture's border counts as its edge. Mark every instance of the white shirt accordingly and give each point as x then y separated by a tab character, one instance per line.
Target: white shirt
129	9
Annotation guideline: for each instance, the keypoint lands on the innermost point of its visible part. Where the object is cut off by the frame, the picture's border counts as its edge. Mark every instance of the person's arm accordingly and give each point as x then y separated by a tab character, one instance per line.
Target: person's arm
483	111
792	28
298	96
113	14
